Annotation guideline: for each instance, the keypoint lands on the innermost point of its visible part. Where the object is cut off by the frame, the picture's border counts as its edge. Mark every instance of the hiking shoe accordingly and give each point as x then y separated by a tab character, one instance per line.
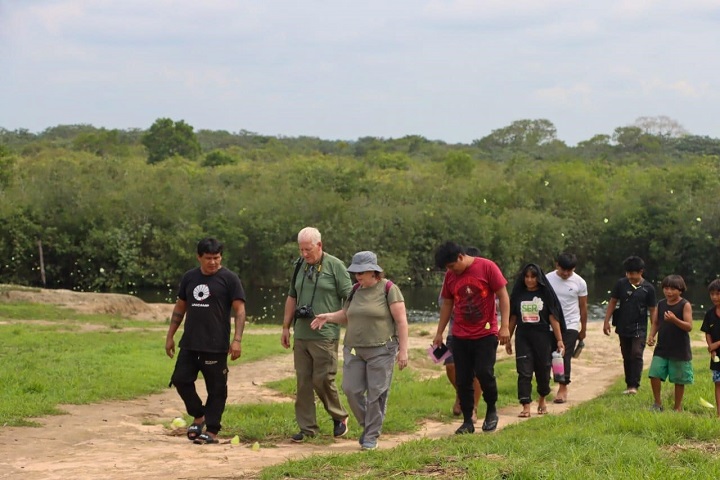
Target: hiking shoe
490	423
466	427
369	445
656	408
340	427
630	391
301	437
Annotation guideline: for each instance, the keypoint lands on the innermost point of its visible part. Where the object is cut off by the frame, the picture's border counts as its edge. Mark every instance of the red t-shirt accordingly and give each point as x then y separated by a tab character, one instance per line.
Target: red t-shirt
473	296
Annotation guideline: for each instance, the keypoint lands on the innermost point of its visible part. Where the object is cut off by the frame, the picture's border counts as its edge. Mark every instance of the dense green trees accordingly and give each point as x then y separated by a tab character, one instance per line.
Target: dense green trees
109	219
166	139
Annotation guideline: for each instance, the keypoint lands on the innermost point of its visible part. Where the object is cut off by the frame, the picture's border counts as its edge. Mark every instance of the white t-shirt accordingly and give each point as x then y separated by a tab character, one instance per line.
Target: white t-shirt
569	292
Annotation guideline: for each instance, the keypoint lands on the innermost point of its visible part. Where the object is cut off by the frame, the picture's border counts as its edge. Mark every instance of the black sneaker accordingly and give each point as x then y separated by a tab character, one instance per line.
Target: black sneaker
466	427
300	437
340	427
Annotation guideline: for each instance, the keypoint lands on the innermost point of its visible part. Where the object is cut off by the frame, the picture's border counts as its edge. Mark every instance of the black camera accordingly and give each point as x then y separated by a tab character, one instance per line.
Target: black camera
304	311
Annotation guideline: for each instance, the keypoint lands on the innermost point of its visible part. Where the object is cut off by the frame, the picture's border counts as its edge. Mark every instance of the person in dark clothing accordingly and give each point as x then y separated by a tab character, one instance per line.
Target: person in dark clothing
206	296
711	328
632	300
535	311
672	359
469	291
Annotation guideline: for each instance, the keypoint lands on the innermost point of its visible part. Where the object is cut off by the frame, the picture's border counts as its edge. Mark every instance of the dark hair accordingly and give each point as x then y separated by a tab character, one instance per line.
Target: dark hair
472	251
634	264
714	285
567	261
446	253
673	281
209	245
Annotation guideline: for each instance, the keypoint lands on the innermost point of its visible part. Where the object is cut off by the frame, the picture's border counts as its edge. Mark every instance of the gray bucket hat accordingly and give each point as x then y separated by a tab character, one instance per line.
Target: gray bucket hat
364	262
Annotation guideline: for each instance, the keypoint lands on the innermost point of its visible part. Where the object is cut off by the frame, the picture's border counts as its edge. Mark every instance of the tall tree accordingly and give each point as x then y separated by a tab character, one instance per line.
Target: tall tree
166	139
520	133
661	126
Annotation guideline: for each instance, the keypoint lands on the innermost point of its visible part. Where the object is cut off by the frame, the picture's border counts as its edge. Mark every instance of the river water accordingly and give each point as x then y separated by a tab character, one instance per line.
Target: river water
265	305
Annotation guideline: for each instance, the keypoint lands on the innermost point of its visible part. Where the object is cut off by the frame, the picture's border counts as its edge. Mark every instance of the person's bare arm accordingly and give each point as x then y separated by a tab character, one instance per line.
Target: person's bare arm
654	326
175	321
339	317
557	332
445	311
582	301
504	300
236	344
399	314
612	303
684	323
511	331
288	316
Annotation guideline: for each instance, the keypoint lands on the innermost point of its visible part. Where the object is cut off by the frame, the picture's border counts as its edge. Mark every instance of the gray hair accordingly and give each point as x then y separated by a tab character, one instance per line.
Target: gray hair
310	233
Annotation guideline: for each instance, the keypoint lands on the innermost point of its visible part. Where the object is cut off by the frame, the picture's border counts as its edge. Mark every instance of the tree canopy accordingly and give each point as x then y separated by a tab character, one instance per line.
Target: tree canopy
109	218
166	139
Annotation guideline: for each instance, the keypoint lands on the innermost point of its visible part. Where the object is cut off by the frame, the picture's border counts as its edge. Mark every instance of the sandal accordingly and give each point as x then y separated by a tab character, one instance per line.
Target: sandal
204	439
524	414
542	410
195	430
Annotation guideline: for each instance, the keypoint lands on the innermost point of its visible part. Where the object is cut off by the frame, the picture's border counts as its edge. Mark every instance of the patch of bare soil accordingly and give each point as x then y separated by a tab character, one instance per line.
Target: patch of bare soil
125	440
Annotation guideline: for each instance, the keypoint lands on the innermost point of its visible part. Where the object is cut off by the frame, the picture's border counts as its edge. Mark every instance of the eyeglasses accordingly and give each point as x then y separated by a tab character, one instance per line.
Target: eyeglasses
312	270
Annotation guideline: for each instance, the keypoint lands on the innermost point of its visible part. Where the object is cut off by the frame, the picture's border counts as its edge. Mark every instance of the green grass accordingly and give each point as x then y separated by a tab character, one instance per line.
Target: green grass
69	317
612	436
56	361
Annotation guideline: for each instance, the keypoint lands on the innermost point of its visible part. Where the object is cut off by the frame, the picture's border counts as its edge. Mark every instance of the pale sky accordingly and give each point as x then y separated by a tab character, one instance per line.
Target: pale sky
449	70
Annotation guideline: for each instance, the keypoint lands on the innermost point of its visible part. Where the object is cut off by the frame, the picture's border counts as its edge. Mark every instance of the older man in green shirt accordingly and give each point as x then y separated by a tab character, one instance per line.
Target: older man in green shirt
320	286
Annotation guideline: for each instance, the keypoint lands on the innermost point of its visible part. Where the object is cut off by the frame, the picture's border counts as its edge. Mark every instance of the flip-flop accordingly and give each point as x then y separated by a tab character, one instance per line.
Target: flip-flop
204	439
195	430
525	414
559	400
542	411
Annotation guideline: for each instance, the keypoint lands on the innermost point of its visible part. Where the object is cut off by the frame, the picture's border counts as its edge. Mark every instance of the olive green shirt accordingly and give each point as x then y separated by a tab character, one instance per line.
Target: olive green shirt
333	286
370	323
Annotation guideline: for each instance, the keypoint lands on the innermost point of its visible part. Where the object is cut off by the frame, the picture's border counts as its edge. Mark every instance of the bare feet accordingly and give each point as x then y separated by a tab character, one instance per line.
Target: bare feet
456	408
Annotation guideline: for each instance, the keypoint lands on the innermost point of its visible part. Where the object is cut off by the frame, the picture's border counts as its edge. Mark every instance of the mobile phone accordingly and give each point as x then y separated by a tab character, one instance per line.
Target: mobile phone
440	351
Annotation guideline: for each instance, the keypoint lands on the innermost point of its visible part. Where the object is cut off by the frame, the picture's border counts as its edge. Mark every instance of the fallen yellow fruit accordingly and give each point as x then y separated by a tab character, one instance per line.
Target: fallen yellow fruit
179	423
256	446
706	404
235	440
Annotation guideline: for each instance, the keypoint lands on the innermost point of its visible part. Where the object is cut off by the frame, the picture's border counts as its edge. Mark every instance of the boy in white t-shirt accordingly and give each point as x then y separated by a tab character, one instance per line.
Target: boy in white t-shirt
571	290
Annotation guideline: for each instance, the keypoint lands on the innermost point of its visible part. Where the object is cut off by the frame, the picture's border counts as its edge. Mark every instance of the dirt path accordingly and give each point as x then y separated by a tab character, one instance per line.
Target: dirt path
122	440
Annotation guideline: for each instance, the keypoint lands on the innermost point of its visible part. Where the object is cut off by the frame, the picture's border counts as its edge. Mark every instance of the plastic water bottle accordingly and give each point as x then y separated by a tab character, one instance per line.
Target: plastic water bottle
578	349
558	367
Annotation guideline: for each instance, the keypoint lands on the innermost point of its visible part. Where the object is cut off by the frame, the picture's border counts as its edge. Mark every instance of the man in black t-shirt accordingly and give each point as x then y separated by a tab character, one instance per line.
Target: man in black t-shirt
635	300
205	298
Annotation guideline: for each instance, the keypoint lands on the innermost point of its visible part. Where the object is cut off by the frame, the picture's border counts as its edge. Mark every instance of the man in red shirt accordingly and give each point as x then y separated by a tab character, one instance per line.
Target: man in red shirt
471	286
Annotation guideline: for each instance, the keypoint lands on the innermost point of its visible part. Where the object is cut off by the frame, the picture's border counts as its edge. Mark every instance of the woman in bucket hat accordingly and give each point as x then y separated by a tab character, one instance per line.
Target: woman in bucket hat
376	335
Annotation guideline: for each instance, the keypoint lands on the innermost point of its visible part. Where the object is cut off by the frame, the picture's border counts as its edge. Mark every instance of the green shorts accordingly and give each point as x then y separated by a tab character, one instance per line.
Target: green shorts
679	372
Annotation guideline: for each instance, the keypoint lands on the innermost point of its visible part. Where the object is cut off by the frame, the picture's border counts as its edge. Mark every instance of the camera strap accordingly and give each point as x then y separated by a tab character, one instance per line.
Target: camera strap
302	283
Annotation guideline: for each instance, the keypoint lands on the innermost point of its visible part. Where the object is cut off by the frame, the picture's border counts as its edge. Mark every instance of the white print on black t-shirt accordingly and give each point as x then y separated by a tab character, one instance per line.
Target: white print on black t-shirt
530	310
201	292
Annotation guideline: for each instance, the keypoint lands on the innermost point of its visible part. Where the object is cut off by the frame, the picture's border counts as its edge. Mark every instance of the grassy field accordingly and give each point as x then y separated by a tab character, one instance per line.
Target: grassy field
613	436
63	357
